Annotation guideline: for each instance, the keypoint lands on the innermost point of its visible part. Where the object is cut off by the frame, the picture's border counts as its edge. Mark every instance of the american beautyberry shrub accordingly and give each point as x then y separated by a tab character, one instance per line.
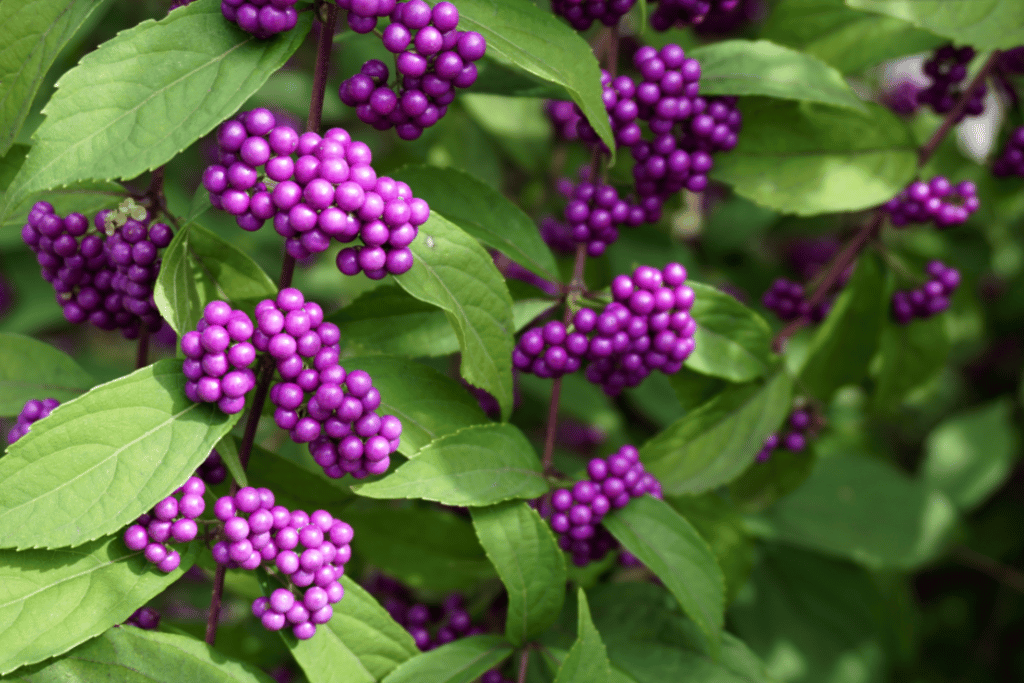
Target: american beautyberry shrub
219	358
33	411
262	18
172	520
793	438
930	298
947	68
937	201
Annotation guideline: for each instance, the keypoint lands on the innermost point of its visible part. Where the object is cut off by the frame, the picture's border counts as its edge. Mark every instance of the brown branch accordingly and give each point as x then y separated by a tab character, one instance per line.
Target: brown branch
1007	576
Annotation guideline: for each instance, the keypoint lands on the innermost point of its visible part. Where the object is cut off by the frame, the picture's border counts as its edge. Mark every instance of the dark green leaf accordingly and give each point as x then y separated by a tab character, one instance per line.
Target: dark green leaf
52	600
227	449
767	482
694	389
671	548
101	460
461	661
295	484
911	355
31	369
105	122
518	125
522	548
733	342
587	661
806	158
478	465
985	24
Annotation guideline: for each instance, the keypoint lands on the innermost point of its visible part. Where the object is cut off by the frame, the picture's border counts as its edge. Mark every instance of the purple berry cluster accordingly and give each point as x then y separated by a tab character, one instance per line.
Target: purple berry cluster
432	58
146	618
261	18
1011	161
582	13
565	118
329	191
212	471
105	281
794	439
928	299
619	97
594	213
901	97
32	411
937	200
219	357
308	551
362	15
171	520
669	13
332	410
947	68
551	351
787	300
577	512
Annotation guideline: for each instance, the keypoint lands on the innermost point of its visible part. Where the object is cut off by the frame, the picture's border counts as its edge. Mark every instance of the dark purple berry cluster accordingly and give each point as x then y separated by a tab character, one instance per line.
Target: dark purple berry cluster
212	471
594	213
787	300
928	299
133	252
577	512
219	357
619	97
582	13
432	59
947	68
332	410
565	118
669	13
261	18
362	15
901	97
329	191
794	439
146	618
938	201
308	551
551	351
172	520
32	411
1011	160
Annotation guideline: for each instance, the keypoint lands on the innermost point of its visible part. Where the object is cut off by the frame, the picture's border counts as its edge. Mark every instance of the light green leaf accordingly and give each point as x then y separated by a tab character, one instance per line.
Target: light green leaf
587	661
32	369
911	355
461	661
985	24
732	341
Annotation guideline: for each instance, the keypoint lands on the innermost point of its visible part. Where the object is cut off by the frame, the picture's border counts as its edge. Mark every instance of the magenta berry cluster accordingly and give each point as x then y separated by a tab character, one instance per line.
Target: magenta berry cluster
928	299
308	551
261	18
788	301
937	200
104	281
172	520
219	357
1011	160
146	618
212	471
947	68
432	59
670	13
581	14
362	15
551	350
332	410
794	439
577	512
33	411
330	191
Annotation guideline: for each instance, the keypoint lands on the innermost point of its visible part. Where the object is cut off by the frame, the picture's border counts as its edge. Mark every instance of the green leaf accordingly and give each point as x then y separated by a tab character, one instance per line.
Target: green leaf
453	272
806	158
843	346
429	404
131	655
35	31
105	122
461	661
911	355
527	38
360	644
985	24
102	459
10	164
712	444
518	125
761	67
484	213
866	510
296	484
421	547
198	267
587	661
227	449
693	389
476	466
671	548
970	455
733	342
52	600
523	550
32	369
848	39
766	483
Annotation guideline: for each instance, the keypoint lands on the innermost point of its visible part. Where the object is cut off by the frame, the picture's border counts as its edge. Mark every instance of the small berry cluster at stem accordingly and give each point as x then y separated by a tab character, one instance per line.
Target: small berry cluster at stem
947	68
261	18
928	299
146	618
794	439
681	13
594	213
1011	161
212	471
219	357
33	411
788	300
581	14
432	59
937	200
172	520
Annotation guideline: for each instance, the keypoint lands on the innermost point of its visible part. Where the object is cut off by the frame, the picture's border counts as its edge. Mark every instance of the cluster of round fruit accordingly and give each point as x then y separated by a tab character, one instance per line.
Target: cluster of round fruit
432	59
212	470
218	358
171	520
1011	160
669	13
576	513
329	191
261	18
794	439
362	15
930	298
565	117
947	68
581	14
901	97
595	211
33	411
308	551
107	281
937	200
332	410
146	618
786	299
